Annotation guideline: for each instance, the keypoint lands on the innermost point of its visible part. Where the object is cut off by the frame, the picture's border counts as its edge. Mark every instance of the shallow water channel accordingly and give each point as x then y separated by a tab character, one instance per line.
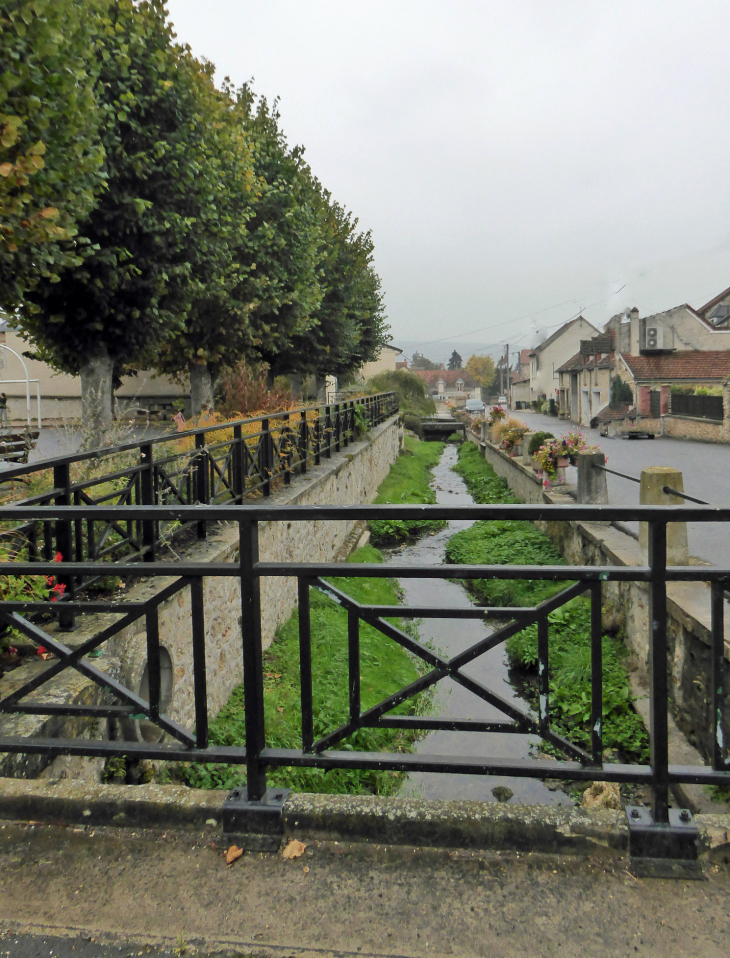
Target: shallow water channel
448	637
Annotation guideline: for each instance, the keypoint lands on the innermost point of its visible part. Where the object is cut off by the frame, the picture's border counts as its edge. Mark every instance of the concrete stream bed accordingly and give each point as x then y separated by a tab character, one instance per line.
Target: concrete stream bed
449	637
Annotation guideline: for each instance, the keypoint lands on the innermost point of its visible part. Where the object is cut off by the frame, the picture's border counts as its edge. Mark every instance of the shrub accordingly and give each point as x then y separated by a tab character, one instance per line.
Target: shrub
244	392
412	394
537	440
413	422
545	408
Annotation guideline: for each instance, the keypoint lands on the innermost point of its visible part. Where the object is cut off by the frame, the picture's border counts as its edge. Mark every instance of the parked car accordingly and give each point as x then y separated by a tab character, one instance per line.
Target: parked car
502	400
474	406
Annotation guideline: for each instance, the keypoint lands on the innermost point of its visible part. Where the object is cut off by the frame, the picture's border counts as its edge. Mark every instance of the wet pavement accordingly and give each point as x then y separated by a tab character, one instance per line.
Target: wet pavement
705	468
449	637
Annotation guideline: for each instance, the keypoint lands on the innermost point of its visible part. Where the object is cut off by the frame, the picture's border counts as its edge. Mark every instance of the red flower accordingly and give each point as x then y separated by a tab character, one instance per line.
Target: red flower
58	557
40	650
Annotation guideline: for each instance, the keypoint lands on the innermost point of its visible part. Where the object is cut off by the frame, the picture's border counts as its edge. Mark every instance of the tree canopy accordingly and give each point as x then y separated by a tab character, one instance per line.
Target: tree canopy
455	361
51	153
419	361
481	369
151	219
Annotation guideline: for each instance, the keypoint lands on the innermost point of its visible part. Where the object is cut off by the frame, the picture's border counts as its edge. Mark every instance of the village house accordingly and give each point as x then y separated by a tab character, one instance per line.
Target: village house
59	394
519	392
549	356
444	384
585	379
386	361
679	328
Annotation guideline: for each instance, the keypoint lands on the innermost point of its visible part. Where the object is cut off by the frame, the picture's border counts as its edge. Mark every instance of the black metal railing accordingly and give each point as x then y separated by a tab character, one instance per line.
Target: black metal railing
699	407
192	745
230	462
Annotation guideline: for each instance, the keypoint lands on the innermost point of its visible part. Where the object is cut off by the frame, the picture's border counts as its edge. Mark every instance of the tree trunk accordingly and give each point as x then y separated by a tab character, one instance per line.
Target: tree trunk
297	386
96	397
320	385
201	388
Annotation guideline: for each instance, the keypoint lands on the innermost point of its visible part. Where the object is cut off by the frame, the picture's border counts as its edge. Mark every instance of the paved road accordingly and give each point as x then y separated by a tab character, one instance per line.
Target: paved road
176	894
705	467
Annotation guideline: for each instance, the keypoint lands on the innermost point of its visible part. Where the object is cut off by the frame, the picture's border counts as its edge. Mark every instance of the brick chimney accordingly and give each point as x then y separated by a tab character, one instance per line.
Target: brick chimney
634	326
443	368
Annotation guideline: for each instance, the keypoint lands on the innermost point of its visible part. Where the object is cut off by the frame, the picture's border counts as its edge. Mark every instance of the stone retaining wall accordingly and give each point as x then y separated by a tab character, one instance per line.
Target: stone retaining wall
626	604
689	427
348	478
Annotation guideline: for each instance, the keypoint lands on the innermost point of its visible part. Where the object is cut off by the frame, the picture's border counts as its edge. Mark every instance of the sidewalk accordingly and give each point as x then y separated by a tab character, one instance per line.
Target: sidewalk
160	893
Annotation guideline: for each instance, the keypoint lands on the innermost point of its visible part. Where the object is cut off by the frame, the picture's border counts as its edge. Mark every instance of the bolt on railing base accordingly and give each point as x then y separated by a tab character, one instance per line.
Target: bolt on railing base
255	826
661	850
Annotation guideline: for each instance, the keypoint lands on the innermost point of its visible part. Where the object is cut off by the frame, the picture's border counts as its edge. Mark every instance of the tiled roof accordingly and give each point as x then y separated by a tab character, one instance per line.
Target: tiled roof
683	364
714	301
449	376
524	357
575	362
625	411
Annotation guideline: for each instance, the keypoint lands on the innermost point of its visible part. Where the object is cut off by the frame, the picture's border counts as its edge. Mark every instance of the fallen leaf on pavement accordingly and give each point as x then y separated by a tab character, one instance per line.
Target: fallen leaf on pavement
294	849
232	854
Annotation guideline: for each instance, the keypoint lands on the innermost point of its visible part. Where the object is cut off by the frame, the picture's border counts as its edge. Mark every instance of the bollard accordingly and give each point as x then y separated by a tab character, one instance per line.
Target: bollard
526	458
483	427
652	493
592	485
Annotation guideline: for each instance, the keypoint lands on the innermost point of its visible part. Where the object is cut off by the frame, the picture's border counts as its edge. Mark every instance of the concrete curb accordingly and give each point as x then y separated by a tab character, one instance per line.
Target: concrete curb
388	821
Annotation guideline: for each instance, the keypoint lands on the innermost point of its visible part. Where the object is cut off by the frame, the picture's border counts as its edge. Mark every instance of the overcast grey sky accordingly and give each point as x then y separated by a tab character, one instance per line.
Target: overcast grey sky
508	156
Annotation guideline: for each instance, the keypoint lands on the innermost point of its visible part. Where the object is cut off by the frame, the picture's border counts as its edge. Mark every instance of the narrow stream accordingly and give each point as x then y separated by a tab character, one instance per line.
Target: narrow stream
450	637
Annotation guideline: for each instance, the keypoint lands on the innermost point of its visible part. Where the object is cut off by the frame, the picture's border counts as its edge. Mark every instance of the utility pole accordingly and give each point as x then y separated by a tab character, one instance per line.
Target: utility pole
506	375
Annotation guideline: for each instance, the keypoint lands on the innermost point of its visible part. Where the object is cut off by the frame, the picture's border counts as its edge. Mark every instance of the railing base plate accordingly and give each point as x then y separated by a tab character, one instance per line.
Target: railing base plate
255	826
660	850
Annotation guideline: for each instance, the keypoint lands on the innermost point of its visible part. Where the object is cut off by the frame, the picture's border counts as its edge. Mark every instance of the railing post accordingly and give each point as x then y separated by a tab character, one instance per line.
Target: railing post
328	431
719	671
287	443
201	478
305	664
317	438
658	669
265	456
596	675
237	453
253	679
303	441
147	490
64	539
345	414
338	425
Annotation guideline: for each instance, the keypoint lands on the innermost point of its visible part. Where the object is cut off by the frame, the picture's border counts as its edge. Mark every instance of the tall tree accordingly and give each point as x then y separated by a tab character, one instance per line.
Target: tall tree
419	361
455	361
280	254
348	327
481	369
111	313
50	150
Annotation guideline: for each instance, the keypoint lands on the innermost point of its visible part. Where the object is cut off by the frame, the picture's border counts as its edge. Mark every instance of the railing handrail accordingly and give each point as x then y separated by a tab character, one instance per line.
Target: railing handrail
263	512
101	453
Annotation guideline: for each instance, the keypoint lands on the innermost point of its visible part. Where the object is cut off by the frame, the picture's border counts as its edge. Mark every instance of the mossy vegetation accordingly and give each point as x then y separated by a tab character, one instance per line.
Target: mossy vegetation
500	542
385	668
408	481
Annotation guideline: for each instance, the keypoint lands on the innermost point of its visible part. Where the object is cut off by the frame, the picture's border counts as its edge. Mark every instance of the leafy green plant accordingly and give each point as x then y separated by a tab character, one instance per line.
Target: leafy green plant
569	657
536	440
385	668
408	482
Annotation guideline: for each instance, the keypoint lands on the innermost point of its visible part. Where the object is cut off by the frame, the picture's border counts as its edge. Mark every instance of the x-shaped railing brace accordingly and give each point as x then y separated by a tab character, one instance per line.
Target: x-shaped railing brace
451	668
73	658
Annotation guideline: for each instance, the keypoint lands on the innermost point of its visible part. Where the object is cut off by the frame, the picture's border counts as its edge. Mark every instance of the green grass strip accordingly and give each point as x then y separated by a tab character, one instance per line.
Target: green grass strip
498	542
385	668
408	482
